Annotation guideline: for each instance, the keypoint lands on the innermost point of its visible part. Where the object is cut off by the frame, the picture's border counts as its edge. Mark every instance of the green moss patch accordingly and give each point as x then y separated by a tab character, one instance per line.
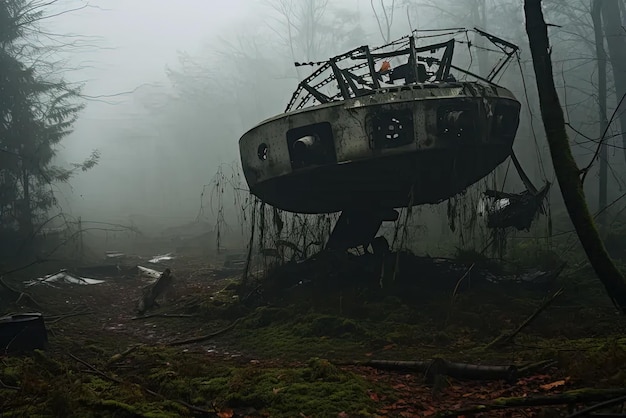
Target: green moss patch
316	389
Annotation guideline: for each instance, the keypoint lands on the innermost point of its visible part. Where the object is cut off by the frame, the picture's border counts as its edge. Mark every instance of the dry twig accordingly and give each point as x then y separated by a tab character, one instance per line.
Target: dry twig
163	315
5	386
54	319
506	338
206	337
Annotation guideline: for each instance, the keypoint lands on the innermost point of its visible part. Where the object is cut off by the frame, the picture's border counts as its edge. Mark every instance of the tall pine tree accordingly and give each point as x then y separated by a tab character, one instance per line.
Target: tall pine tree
37	112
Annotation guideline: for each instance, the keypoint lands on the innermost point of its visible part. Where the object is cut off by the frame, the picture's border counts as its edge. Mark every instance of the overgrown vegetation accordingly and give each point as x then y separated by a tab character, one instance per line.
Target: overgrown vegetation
290	354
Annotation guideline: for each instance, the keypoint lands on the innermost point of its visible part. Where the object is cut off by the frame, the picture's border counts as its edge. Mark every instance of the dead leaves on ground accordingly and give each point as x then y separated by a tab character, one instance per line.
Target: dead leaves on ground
226	413
411	397
558	383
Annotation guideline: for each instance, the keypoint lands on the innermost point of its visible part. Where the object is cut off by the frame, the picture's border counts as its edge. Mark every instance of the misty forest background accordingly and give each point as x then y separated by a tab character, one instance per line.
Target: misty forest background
105	164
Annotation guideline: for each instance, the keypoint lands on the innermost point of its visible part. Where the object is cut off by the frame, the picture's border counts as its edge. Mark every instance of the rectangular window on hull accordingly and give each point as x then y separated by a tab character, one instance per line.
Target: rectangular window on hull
311	145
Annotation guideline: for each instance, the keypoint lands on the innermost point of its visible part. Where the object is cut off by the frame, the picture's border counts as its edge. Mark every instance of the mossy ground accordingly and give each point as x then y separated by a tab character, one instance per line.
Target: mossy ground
278	360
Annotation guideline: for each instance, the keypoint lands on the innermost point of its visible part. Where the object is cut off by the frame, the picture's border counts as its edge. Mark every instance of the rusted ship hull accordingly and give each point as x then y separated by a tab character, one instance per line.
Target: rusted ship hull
396	147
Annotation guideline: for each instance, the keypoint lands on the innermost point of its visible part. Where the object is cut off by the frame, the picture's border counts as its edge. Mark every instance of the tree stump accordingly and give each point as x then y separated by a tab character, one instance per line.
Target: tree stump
153	291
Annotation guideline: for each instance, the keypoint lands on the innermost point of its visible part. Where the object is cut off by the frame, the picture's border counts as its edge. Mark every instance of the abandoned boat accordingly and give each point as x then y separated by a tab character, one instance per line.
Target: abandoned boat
358	133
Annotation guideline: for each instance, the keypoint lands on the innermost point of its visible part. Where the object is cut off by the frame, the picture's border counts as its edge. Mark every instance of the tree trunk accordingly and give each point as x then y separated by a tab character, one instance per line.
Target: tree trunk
27	247
596	15
26	215
567	172
616	42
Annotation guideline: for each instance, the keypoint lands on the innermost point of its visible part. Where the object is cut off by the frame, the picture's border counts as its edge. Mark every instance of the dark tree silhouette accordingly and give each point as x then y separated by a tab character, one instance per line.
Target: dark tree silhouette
37	111
596	14
567	172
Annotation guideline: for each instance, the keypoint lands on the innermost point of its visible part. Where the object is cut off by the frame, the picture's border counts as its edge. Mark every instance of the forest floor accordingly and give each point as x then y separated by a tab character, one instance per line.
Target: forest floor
300	348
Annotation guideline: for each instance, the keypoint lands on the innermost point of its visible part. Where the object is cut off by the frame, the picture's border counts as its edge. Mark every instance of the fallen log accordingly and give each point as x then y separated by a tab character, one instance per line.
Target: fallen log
566	398
163	315
439	366
535	367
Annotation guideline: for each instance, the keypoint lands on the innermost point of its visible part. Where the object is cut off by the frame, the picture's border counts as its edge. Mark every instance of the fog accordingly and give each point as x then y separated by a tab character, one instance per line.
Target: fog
133	44
171	86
